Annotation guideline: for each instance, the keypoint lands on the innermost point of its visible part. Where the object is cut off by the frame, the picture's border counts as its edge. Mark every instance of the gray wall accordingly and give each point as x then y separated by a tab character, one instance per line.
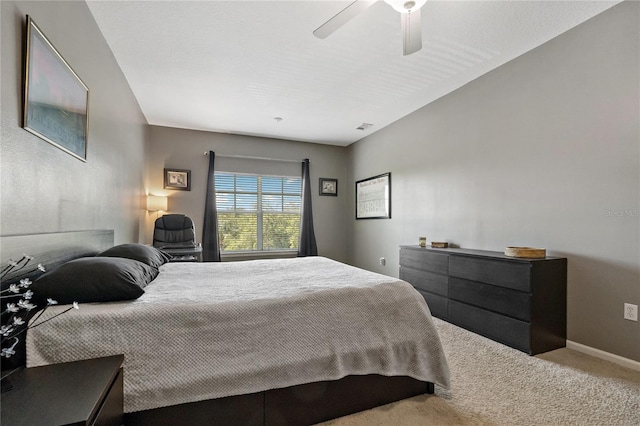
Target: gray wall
183	149
542	152
43	188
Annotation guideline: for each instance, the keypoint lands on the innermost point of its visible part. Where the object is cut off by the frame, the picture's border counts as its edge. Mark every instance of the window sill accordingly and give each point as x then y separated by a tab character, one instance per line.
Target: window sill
255	255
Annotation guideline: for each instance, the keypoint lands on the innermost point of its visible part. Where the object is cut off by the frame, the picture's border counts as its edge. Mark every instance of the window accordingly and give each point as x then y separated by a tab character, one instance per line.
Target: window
257	213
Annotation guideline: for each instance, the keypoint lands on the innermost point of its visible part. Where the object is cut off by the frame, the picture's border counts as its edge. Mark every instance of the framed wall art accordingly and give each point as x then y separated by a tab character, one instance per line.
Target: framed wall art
56	100
177	179
329	187
373	197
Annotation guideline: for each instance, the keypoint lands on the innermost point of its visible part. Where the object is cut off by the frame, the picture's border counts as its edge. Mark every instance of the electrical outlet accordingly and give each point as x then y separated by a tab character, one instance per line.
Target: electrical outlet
383	262
630	312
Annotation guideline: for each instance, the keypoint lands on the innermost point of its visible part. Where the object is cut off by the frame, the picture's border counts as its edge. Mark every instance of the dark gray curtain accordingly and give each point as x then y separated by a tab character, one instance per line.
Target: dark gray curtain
307	246
210	245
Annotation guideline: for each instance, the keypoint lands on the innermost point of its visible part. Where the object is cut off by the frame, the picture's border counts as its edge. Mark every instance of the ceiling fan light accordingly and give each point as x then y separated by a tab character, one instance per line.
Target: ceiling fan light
406	6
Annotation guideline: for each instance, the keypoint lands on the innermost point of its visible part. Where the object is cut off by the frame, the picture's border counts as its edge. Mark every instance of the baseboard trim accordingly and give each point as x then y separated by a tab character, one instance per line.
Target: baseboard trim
617	359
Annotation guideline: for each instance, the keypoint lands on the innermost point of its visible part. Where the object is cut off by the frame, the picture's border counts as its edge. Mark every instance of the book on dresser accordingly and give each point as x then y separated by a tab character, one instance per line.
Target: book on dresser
518	302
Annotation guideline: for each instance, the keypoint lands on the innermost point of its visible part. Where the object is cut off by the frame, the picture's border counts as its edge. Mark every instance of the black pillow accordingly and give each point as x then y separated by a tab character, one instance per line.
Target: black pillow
93	279
145	254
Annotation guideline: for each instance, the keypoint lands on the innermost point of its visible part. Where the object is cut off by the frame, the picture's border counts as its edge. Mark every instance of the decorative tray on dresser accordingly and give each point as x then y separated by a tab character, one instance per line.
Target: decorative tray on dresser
518	302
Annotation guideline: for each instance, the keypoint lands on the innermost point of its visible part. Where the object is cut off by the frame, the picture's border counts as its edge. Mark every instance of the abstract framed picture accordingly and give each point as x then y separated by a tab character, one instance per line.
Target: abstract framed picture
329	187
56	101
373	197
177	179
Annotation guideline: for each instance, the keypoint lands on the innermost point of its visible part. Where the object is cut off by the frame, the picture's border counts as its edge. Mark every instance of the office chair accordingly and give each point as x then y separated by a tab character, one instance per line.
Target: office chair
175	234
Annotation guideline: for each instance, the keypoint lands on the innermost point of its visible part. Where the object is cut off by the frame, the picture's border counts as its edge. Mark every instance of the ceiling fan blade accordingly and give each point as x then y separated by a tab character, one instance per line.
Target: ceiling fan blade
342	17
411	32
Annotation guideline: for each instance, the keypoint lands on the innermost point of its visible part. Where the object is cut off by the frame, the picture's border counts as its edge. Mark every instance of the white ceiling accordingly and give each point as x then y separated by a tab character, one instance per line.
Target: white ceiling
232	66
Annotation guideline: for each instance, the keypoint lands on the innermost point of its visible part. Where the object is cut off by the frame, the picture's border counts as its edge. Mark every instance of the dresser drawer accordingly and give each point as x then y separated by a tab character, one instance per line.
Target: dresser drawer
437	304
502	300
500	328
424	260
423	280
515	275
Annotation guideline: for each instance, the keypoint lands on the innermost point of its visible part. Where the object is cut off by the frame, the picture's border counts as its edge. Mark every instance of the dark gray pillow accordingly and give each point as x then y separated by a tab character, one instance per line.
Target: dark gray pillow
94	279
145	254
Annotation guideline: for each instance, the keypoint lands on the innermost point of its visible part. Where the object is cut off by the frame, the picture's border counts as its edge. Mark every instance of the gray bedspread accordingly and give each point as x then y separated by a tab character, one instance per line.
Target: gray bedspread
208	330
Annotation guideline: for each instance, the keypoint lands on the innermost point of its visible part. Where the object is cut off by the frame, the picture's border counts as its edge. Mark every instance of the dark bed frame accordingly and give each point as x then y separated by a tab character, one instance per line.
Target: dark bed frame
296	405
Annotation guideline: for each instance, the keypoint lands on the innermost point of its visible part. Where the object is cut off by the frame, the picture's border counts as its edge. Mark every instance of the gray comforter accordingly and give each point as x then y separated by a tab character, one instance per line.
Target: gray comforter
208	330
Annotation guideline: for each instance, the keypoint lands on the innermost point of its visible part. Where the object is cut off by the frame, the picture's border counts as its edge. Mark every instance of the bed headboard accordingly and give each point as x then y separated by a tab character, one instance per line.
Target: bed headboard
51	250
55	248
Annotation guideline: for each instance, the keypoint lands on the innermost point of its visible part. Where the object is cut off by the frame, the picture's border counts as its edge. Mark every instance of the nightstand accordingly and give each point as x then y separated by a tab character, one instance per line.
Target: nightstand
88	392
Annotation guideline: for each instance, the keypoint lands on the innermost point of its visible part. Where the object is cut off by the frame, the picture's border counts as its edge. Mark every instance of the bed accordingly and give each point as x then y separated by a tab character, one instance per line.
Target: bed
291	341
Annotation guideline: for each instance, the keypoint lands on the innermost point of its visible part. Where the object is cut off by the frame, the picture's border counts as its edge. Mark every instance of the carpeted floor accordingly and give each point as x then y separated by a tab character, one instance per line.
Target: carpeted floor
492	384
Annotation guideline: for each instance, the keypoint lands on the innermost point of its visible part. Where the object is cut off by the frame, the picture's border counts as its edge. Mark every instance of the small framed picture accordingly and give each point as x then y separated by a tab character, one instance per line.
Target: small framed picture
177	179
329	187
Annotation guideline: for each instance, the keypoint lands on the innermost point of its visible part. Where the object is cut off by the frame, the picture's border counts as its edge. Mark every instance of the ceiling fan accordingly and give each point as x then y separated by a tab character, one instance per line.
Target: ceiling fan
409	18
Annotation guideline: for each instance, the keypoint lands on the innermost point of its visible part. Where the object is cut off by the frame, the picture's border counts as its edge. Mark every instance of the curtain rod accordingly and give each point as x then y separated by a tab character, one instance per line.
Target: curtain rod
248	157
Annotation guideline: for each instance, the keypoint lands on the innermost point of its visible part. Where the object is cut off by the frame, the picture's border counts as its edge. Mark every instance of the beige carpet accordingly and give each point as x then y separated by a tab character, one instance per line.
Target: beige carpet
493	384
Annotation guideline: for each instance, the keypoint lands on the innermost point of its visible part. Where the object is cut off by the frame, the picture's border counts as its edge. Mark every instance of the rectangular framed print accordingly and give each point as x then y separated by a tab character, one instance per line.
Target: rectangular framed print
55	99
373	197
177	179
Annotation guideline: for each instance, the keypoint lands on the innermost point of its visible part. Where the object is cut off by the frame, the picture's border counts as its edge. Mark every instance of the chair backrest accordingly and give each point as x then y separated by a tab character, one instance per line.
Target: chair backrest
174	231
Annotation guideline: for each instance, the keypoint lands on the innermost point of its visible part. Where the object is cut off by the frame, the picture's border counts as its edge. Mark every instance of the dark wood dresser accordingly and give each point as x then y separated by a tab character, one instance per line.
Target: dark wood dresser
518	302
88	392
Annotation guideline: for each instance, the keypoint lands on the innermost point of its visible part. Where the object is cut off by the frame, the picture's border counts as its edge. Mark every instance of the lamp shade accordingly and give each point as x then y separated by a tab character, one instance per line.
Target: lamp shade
157	202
